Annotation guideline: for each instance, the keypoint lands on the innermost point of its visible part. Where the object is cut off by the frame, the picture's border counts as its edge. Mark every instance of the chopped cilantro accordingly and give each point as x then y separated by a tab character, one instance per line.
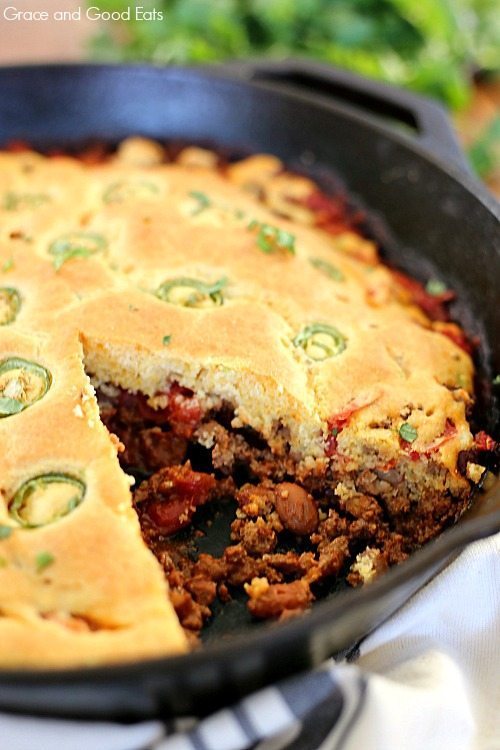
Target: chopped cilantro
13	201
203	201
435	288
8	265
9	202
327	269
270	238
166	339
5	531
407	432
43	560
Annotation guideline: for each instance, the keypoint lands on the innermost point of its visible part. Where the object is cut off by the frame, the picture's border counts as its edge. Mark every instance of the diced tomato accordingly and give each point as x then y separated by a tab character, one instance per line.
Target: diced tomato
449	432
459	338
323	204
432	305
172	516
17	147
148	414
181	490
187	483
483	441
184	410
338	421
331	213
94	154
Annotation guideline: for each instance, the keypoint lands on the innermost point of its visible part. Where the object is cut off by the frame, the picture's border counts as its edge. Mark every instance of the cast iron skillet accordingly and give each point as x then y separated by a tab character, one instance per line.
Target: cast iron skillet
396	152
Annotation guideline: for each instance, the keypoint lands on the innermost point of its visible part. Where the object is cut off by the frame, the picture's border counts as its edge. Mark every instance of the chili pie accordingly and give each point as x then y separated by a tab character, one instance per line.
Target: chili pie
176	332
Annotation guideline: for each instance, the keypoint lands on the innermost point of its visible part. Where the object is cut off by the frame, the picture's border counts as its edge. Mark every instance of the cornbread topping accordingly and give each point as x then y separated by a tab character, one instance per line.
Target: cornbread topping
220	333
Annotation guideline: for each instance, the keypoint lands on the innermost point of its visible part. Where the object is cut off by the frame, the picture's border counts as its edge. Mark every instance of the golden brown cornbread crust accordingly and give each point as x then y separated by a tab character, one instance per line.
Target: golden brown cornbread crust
100	315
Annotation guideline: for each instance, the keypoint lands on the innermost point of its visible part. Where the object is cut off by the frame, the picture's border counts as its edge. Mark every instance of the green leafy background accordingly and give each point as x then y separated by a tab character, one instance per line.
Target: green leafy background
431	46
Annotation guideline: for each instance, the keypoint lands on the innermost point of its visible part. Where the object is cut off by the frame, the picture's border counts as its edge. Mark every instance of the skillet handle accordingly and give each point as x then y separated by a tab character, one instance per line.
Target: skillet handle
377	101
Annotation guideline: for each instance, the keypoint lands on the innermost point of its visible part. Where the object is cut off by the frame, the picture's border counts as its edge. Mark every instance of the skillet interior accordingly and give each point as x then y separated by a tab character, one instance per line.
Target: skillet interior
435	220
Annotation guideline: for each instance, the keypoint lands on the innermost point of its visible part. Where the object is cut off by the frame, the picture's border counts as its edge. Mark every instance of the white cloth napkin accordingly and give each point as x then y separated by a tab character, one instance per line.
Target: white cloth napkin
428	678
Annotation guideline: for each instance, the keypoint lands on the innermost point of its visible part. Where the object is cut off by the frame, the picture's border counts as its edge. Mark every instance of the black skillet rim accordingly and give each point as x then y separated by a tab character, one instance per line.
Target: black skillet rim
218	75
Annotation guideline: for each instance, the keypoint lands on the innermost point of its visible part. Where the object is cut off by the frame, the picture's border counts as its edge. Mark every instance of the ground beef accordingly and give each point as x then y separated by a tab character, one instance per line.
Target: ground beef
291	532
258	537
287	578
231	450
274	600
152	438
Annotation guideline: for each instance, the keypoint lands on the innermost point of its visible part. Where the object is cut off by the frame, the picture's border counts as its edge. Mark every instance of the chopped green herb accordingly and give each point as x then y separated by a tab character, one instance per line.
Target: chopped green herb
119	192
327	269
320	341
435	287
10	304
496	380
9	202
14	201
76	245
393	40
43	560
5	531
407	432
8	265
45	499
203	201
191	292
22	383
334	431
270	238
166	339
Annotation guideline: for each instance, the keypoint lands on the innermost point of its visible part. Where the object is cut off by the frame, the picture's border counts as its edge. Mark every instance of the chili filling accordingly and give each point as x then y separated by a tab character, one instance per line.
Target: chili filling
291	538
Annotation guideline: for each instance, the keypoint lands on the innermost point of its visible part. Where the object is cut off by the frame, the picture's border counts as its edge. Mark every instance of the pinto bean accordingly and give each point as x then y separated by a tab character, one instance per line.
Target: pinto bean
297	510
